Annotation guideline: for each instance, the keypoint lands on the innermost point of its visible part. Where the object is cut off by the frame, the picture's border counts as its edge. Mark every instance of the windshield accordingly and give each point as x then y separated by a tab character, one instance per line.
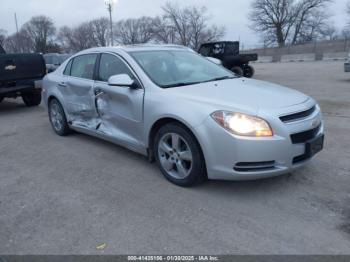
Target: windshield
170	68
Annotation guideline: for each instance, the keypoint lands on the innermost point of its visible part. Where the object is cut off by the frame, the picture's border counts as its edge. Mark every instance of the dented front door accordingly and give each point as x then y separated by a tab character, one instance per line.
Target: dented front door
119	109
77	88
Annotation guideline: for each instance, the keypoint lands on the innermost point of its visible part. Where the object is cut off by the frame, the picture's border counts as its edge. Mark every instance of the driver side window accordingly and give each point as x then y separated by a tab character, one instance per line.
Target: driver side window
111	65
83	66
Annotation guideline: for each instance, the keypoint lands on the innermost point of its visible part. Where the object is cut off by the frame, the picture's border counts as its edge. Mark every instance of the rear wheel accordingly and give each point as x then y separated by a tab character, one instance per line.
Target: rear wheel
31	98
237	70
179	156
249	71
58	118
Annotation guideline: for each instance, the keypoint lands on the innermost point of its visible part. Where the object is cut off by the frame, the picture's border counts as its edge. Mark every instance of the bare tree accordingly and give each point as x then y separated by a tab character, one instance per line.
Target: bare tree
19	43
135	31
329	32
287	20
274	19
316	26
164	32
200	32
309	14
41	31
179	20
2	36
345	33
66	39
348	12
189	25
78	38
100	31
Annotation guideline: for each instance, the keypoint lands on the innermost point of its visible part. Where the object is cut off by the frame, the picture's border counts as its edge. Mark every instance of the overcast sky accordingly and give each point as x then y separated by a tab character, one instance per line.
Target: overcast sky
230	13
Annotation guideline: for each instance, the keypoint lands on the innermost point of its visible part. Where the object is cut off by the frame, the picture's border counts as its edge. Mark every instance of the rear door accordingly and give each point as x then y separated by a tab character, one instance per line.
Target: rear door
120	109
77	89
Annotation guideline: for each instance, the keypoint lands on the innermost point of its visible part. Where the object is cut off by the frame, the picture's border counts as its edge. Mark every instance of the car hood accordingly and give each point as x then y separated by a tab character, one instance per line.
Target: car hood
244	93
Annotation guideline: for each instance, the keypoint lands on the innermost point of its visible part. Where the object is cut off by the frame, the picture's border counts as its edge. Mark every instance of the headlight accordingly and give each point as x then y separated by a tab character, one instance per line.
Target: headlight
242	124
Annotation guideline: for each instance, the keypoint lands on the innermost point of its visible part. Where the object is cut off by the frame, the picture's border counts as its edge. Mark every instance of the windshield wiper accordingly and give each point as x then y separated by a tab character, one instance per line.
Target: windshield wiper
180	84
195	83
219	78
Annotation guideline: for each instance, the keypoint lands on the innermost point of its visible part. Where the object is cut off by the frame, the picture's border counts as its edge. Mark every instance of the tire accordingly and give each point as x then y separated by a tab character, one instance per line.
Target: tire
1	99
31	98
237	70
249	71
58	118
182	164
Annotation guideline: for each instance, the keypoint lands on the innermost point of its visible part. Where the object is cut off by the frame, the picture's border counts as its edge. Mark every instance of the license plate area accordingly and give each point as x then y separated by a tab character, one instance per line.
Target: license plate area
314	146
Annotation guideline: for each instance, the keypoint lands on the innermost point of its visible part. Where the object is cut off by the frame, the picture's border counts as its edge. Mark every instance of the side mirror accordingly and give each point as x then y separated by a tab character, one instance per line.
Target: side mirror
214	60
121	80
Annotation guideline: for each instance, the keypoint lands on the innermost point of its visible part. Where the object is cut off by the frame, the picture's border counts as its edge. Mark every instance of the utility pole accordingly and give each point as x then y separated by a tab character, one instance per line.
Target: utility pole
16	23
110	4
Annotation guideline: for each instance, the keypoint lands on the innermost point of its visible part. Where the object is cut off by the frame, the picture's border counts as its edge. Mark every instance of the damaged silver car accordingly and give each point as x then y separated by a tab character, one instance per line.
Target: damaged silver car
196	119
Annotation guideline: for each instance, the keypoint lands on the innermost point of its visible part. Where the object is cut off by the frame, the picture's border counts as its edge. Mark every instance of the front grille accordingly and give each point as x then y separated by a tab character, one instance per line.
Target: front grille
303	137
254	166
298	116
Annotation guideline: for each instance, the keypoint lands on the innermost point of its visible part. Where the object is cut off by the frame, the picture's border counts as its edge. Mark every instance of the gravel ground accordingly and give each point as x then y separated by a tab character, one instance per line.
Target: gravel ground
70	195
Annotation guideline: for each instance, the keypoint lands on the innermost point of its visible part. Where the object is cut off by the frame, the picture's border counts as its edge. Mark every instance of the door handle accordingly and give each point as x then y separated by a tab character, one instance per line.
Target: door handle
98	93
63	84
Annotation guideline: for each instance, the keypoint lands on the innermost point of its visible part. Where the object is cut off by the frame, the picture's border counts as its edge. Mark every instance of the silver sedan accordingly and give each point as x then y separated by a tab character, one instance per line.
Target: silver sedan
196	119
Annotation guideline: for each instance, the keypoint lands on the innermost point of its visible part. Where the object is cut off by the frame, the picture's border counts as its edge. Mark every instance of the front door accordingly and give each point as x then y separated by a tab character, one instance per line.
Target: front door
77	89
119	109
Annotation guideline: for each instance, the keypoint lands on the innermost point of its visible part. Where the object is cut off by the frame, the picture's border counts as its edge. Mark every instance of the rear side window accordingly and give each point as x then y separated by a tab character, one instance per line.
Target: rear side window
83	66
68	68
218	49
111	65
232	49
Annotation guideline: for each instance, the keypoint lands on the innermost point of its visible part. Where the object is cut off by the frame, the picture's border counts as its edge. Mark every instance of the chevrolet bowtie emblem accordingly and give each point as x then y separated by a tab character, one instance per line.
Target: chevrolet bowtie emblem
10	67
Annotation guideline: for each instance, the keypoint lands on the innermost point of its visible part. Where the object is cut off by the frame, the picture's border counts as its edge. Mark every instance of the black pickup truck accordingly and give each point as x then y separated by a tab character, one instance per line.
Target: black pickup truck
21	75
228	53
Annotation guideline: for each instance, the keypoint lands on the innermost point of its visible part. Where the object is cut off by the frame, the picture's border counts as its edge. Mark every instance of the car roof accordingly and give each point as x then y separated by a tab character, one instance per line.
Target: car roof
138	47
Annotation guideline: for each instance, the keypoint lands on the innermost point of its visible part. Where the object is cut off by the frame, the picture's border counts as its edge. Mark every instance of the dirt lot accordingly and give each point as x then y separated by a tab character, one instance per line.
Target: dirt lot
68	195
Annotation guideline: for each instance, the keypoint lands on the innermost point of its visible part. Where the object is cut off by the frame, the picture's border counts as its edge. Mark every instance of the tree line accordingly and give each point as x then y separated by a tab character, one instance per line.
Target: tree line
282	22
278	22
187	26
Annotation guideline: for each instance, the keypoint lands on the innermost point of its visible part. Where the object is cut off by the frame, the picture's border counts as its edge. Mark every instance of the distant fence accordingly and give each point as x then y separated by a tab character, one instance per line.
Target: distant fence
298	58
326	50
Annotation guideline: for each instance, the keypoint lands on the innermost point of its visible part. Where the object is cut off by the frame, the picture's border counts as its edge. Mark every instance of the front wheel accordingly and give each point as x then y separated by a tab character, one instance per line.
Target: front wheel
58	118
31	98
179	156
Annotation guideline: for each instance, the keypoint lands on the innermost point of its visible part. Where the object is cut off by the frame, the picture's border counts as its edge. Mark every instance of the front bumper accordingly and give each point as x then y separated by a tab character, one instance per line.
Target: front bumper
229	157
347	67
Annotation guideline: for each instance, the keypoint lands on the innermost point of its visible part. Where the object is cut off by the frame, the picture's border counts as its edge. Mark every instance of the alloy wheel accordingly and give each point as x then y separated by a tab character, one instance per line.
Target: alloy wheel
56	116
175	155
